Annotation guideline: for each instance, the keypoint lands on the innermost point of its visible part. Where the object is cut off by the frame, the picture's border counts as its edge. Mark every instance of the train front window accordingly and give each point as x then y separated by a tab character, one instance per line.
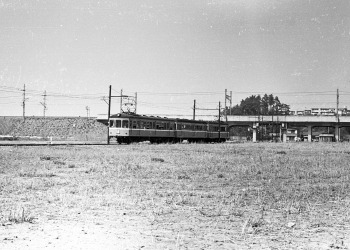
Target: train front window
117	123
125	124
111	122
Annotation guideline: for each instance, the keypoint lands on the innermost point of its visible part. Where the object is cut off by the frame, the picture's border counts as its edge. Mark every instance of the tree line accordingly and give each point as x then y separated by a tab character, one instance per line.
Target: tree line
257	105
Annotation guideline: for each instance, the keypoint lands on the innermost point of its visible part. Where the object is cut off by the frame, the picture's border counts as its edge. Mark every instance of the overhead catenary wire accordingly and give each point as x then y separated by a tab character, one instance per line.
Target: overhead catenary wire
7	93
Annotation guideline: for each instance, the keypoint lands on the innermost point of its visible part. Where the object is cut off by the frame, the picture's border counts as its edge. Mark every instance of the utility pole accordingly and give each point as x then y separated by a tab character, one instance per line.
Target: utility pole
87	111
229	98
135	102
219	121
121	101
337	131
44	103
109	112
194	109
24	102
337	109
230	102
225	105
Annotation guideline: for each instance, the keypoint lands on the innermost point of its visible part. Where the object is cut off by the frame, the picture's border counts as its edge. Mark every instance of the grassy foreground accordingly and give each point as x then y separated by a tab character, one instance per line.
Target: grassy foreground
182	196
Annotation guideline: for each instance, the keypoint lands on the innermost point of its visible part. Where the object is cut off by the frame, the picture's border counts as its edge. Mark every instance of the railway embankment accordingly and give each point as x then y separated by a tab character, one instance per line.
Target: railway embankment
51	128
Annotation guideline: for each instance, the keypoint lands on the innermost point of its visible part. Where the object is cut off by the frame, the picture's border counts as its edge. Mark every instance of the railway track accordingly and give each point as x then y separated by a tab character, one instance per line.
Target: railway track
46	143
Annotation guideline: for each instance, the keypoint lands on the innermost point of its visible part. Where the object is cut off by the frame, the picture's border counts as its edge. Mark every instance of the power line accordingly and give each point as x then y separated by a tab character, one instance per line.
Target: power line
3	97
179	93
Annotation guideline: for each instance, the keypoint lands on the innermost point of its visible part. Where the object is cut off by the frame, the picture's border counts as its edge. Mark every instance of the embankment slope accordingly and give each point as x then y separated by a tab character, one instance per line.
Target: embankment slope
59	128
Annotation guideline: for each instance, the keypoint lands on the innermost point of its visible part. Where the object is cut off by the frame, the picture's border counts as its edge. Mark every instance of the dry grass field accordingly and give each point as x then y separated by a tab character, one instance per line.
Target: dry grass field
181	196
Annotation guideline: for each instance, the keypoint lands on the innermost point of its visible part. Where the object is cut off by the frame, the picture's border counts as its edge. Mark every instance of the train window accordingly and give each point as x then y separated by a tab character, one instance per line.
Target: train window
111	123
125	124
178	126
199	127
223	129
117	123
159	125
134	124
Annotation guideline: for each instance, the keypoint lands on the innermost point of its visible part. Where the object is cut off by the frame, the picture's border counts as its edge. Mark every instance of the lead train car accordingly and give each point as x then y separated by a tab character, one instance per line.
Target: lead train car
127	128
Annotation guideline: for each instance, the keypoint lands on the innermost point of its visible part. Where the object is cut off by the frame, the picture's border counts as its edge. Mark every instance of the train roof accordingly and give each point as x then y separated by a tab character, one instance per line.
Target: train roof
146	117
124	115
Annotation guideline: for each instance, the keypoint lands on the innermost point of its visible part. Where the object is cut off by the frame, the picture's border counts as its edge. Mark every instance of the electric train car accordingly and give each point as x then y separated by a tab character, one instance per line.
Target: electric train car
127	128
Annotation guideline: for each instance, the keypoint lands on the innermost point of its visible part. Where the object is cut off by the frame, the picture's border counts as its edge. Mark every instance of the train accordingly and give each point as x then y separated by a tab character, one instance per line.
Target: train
128	128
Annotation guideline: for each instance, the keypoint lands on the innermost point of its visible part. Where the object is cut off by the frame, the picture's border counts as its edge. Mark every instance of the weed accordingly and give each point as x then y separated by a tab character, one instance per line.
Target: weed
45	158
157	159
20	217
221	176
57	162
35	174
183	177
281	152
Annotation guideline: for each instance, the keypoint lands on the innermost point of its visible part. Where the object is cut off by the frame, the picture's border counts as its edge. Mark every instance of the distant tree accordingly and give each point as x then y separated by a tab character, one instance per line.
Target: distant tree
251	105
236	110
257	105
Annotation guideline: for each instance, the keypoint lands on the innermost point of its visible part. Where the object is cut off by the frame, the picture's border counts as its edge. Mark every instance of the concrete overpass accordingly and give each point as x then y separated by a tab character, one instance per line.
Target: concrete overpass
291	121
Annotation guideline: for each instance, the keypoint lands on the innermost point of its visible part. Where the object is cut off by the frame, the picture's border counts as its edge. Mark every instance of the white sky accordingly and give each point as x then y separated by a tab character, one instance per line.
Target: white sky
171	52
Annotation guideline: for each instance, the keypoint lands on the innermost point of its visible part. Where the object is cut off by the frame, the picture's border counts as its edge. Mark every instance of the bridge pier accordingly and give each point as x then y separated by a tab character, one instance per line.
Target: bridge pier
309	133
283	131
336	133
254	133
